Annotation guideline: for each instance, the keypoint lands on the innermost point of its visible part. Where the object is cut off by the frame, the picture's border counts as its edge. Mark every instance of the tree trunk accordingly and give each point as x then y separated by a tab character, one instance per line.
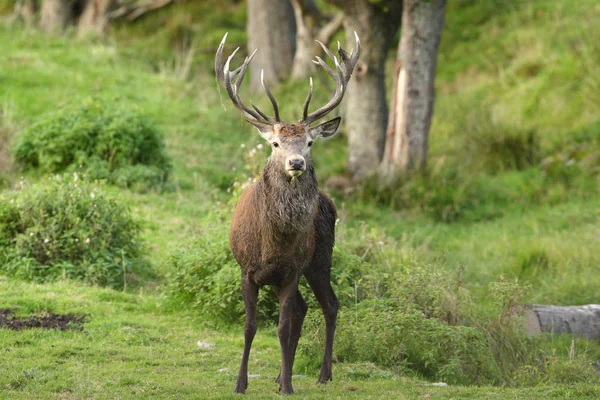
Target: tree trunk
412	102
308	17
56	15
95	17
26	11
271	30
366	112
576	320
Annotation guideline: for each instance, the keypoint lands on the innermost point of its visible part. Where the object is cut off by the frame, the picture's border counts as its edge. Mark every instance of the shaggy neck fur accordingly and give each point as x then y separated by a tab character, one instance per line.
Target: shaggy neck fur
288	204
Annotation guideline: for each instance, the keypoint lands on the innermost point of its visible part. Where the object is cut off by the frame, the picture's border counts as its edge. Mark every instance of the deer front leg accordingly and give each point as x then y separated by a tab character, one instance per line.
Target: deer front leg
321	286
287	303
296	331
250	292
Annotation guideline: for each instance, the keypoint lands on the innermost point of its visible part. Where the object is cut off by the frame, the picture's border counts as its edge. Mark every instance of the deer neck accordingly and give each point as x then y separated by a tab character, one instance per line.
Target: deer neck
289	205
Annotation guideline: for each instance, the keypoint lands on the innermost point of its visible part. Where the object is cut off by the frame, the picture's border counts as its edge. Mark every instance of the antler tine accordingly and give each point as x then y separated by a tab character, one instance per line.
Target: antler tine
344	69
225	76
262	114
326	50
307	101
357	55
323	64
242	71
271	97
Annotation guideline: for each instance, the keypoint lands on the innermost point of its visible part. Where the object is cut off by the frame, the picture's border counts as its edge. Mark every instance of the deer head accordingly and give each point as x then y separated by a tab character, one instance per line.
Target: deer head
290	143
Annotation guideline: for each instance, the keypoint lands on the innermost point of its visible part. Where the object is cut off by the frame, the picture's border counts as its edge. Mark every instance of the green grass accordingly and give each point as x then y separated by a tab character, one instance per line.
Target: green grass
504	66
133	348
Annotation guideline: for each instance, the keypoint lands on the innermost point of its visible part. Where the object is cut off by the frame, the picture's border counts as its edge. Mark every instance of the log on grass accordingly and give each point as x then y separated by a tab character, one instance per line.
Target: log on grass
575	320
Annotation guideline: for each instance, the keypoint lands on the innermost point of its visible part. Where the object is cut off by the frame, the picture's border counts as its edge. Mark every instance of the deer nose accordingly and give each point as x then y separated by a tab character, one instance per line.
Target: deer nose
296	163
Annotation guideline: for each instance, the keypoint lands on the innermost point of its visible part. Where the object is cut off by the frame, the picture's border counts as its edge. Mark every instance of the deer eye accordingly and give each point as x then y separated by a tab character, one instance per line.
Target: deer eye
310	143
275	144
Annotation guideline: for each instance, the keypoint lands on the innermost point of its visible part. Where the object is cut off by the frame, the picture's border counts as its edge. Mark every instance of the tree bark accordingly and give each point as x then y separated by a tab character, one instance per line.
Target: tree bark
95	17
271	30
26	11
412	102
56	15
366	112
576	320
308	17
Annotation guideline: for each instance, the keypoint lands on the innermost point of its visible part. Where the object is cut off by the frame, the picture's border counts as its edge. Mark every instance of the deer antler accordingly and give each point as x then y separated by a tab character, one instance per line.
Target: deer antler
341	76
225	77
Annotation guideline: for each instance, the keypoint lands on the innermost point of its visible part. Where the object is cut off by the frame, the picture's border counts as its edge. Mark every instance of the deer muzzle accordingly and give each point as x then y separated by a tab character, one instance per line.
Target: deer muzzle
295	165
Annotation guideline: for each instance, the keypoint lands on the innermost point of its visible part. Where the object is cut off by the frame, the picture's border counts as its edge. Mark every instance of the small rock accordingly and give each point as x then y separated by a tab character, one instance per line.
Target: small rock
223	369
440	384
204	345
253	376
298	376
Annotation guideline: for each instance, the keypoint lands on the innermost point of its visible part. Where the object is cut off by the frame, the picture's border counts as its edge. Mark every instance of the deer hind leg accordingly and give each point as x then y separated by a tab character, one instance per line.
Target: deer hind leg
297	319
250	292
287	306
319	281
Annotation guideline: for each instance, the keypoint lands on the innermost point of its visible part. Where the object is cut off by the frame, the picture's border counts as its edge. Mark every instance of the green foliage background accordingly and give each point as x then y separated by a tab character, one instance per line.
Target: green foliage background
103	139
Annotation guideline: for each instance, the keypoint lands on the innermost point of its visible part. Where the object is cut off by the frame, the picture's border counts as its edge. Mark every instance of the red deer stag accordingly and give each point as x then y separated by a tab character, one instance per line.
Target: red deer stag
283	226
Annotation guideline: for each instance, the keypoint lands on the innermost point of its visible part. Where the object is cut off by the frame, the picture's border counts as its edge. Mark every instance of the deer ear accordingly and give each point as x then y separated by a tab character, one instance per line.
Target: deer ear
265	130
326	129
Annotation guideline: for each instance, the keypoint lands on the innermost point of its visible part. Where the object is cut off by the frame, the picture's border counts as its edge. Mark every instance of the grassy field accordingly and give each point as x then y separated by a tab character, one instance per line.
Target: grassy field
132	348
505	70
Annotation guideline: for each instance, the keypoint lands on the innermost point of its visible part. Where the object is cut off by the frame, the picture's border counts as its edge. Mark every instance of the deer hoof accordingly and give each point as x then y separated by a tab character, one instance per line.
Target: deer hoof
287	391
240	387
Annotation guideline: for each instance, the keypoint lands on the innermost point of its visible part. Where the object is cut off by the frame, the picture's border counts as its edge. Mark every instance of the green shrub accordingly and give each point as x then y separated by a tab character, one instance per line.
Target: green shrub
66	228
204	273
403	339
106	141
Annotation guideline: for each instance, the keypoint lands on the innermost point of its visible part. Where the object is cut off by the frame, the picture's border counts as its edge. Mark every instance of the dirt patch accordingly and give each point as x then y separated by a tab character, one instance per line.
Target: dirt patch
60	322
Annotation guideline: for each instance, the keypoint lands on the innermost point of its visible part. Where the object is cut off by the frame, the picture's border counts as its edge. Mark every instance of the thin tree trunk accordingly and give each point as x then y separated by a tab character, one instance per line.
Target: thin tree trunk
271	30
56	15
366	112
575	320
308	18
26	11
412	104
95	17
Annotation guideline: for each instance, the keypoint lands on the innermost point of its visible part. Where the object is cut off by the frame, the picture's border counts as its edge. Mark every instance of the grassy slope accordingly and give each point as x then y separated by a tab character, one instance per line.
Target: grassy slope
496	58
131	349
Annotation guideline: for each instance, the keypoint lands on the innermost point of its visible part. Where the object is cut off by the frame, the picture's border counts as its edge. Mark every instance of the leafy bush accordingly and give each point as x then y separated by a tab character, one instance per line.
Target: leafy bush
405	316
403	339
66	228
204	273
107	141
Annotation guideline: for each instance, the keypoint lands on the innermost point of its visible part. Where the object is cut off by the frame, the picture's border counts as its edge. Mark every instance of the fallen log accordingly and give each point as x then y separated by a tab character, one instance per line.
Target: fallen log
575	320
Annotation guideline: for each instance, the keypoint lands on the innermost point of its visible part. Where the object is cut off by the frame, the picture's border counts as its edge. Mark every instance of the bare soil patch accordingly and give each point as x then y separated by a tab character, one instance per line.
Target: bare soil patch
61	322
